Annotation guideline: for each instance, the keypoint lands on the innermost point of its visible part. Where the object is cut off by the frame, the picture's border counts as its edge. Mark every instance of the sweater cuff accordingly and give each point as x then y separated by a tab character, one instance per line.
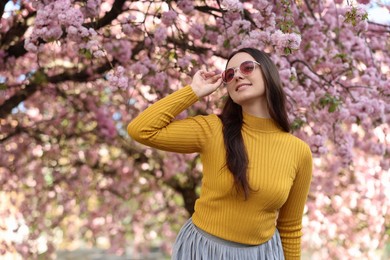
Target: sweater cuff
193	97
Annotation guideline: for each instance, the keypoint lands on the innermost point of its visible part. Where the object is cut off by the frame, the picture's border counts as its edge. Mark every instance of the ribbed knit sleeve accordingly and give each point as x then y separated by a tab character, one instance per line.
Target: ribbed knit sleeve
289	221
156	127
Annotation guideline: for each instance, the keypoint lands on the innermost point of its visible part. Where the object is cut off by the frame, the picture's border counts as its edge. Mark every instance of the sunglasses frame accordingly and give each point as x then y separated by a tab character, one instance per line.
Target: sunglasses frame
238	68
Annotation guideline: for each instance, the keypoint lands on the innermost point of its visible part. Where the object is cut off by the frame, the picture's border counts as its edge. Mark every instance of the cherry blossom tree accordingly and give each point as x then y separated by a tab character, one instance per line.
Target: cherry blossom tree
73	73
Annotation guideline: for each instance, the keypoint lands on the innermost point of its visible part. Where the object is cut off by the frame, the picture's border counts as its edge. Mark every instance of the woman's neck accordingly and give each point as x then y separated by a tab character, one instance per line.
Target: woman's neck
258	109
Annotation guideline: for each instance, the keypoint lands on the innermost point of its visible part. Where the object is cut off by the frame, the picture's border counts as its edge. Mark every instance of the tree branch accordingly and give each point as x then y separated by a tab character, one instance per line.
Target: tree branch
209	9
2	5
18	50
379	24
82	76
15	100
310	8
185	46
13	33
18	130
31	88
16	31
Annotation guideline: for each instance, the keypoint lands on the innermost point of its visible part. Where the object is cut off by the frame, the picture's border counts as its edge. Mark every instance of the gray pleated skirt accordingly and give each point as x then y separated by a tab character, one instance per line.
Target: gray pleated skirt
192	243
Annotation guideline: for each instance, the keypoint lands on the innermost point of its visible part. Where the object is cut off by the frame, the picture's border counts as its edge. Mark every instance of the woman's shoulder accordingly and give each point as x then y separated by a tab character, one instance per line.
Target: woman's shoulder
298	143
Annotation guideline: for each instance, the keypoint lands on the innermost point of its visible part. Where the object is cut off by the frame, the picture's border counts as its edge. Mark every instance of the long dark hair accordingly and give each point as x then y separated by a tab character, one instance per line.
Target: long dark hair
232	118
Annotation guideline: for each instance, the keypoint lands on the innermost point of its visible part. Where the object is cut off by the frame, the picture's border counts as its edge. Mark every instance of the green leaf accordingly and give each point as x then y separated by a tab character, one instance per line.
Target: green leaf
325	100
297	124
226	43
172	56
331	101
39	77
307	46
332	107
86	53
48	179
342	56
65	123
352	17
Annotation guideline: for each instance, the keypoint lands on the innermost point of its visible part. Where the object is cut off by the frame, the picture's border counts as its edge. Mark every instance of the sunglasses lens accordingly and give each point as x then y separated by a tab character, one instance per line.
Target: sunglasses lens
228	75
247	67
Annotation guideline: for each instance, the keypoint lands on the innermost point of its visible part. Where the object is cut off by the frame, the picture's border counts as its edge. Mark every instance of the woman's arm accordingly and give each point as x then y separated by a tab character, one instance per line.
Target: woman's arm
289	221
157	128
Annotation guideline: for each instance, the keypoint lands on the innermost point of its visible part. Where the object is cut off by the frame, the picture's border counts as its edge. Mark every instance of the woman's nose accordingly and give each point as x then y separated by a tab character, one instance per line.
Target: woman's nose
238	74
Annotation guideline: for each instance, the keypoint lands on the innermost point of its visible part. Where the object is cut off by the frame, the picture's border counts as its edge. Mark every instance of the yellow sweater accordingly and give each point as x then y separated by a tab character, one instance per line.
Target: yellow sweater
279	172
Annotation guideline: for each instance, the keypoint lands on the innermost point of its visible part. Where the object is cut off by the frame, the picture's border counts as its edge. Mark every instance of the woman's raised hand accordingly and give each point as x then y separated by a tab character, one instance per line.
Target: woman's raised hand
204	83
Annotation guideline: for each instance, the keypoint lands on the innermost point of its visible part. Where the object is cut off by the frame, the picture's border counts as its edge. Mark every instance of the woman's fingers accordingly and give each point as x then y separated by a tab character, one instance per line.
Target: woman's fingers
207	74
217	83
204	82
214	78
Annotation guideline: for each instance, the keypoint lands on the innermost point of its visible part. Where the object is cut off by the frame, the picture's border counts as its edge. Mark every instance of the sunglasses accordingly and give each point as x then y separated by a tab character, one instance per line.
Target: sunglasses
246	68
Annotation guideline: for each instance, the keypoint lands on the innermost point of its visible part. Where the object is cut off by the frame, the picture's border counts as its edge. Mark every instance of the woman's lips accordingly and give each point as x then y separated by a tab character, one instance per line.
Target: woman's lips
241	85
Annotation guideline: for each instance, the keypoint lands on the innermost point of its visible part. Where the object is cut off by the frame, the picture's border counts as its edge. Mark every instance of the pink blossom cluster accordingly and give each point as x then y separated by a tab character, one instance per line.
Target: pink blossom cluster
285	41
127	29
118	78
184	62
365	110
258	38
186	6
92	8
128	25
233	5
211	36
158	81
58	18
169	17
234	33
121	50
144	66
160	36
106	123
139	68
197	31
51	17
262	5
104	119
265	16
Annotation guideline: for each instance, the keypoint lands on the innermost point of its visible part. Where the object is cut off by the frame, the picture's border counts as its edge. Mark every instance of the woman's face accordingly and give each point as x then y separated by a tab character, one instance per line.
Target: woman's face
245	89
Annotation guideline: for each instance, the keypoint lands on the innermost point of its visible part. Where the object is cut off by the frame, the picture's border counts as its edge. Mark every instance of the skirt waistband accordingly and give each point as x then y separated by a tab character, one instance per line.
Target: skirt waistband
220	240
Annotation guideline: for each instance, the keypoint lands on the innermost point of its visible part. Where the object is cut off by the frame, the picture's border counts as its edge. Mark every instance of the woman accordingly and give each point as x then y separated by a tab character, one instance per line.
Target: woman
256	175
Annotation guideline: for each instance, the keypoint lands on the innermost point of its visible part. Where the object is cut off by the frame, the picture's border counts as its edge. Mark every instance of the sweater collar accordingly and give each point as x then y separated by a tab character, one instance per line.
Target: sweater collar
260	123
